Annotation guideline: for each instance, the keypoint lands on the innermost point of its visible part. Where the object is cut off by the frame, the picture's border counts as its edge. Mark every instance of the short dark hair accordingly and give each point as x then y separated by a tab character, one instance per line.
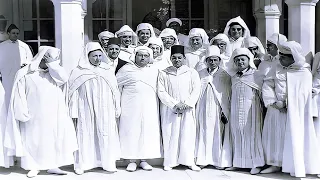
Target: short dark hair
11	27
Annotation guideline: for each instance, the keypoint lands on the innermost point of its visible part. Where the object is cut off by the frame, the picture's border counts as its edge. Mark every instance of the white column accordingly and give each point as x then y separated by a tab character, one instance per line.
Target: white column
267	16
301	23
69	31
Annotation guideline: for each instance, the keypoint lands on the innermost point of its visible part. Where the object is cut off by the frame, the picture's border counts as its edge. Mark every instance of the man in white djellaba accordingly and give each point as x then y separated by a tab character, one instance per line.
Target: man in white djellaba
13	54
179	90
213	112
94	103
39	128
139	126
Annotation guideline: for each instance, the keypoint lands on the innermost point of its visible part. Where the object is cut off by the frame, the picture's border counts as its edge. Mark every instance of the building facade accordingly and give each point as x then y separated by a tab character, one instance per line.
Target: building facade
69	24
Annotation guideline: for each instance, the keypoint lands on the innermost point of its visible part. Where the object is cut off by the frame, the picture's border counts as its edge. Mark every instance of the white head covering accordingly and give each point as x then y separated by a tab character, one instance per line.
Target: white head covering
198	32
54	53
239	20
213	51
127	31
169	32
156	41
231	66
173	20
276	37
105	34
294	48
84	59
252	42
222	37
143	26
142	48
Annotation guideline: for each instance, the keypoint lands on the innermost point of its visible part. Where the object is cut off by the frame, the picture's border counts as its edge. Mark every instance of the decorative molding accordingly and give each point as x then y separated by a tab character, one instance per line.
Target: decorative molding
302	2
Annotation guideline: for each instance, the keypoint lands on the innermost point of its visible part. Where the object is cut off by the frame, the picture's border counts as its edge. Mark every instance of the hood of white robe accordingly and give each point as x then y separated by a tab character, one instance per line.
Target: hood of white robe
222	37
127	31
105	34
276	37
169	32
54	53
294	48
141	48
252	42
231	66
198	32
156	41
240	21
143	26
84	59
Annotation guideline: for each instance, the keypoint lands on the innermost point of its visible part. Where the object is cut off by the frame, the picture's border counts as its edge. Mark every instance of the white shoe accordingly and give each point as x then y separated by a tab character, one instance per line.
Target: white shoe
231	169
132	167
57	171
219	168
145	166
318	175
255	171
32	173
113	170
167	168
195	168
79	171
271	169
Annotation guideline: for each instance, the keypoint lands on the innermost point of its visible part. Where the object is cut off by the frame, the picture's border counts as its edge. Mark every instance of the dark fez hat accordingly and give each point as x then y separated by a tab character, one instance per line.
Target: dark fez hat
177	49
12	26
116	41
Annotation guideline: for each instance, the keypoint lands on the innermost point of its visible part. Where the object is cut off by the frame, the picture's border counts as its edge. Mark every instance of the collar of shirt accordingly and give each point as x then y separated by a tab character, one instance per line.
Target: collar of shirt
212	71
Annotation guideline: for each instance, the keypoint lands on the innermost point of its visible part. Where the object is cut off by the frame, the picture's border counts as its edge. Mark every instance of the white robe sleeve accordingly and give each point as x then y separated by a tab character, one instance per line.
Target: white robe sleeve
164	96
20	105
196	89
268	91
73	106
57	73
117	103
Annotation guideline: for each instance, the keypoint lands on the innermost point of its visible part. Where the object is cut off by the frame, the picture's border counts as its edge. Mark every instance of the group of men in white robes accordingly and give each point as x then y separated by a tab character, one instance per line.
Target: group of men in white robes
193	102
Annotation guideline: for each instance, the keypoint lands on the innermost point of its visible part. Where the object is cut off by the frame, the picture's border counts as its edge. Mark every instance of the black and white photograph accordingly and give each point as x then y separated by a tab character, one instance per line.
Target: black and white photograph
159	89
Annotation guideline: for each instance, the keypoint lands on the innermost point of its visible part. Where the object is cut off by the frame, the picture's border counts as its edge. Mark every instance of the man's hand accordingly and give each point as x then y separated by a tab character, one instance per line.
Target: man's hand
48	58
283	110
278	105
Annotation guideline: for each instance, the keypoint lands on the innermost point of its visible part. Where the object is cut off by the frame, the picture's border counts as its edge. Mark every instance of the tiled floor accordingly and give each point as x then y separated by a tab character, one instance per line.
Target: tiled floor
181	173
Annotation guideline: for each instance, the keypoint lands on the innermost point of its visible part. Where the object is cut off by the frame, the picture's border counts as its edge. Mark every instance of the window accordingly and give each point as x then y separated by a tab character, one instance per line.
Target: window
37	23
106	15
193	13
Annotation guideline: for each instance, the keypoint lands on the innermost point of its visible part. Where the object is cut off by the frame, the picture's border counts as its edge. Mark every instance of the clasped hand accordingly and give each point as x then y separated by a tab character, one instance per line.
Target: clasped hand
280	105
180	108
48	58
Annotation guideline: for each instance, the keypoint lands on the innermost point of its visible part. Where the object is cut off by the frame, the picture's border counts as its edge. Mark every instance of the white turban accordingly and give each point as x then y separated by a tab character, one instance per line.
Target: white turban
127	31
54	53
147	26
84	59
231	66
294	48
213	51
222	37
144	49
156	41
105	34
173	20
169	32
252	42
199	32
276	37
240	21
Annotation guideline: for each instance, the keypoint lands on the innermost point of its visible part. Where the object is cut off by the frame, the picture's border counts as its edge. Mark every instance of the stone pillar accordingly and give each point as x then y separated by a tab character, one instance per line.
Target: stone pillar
267	16
69	31
301	23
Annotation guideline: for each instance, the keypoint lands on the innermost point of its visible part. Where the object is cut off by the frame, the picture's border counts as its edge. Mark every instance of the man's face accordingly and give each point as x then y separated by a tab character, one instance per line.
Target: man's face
285	60
175	26
104	41
126	40
14	34
213	62
168	41
144	35
221	44
113	51
254	50
156	50
236	31
242	62
196	42
95	57
142	58
272	49
177	60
